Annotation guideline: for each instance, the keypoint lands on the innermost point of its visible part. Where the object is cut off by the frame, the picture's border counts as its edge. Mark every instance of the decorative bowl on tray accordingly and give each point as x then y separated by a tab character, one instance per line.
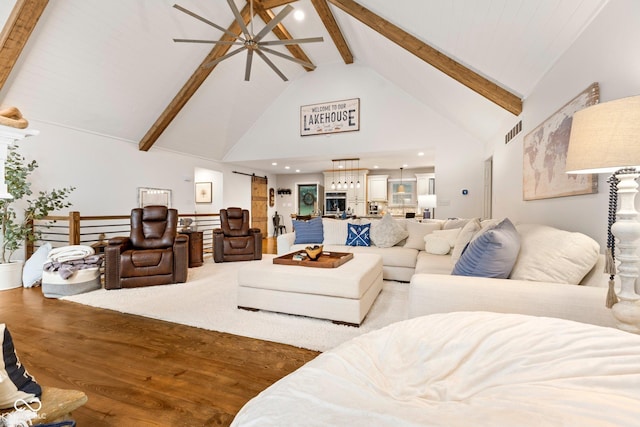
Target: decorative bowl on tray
313	252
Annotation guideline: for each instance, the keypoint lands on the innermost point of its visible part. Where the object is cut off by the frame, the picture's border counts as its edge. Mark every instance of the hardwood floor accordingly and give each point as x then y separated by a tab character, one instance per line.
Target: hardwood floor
138	371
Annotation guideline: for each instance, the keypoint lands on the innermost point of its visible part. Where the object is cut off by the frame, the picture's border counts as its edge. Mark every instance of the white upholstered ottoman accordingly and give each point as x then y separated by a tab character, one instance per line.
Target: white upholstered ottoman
342	294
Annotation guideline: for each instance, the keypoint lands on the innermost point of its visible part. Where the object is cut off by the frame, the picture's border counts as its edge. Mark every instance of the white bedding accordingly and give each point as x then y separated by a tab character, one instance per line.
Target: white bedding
463	369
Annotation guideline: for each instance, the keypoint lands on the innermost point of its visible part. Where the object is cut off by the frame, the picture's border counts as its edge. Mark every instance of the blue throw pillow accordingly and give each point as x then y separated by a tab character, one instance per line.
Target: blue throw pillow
358	235
492	254
308	231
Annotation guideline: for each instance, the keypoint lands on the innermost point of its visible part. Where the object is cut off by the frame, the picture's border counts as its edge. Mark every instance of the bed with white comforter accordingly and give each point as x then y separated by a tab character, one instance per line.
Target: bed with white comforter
463	369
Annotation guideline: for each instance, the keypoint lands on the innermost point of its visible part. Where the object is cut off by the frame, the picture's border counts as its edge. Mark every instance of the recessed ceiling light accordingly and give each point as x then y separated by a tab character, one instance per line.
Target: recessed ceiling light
376	166
421	154
405	165
298	15
298	170
287	167
274	164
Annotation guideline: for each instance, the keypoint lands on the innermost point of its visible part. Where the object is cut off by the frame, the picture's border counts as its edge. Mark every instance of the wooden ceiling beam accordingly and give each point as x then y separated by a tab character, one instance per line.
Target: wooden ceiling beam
269	4
331	25
191	86
437	59
15	34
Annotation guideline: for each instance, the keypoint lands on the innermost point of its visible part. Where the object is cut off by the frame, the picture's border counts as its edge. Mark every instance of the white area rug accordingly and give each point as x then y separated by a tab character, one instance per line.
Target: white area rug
209	300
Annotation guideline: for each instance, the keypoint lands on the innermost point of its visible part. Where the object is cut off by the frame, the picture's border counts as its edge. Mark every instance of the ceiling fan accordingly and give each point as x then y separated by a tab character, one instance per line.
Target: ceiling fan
251	42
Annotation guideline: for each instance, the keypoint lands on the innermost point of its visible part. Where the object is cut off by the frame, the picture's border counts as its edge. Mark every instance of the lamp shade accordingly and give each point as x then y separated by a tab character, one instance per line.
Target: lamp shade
605	137
427	201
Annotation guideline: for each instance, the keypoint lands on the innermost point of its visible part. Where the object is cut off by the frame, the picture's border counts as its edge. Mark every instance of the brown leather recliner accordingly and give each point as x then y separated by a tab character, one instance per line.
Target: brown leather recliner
236	241
153	254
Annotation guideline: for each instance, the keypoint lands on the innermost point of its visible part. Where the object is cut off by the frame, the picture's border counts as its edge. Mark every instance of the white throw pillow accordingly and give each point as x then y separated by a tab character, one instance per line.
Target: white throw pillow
466	234
32	270
548	254
436	245
387	232
449	235
335	231
417	232
455	223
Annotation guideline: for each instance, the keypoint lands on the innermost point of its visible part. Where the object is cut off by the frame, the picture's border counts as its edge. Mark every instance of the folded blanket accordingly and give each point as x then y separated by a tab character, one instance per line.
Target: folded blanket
70	253
67	268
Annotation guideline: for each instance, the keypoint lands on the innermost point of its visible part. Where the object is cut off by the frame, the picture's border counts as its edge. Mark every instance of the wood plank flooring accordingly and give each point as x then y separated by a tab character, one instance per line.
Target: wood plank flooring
138	371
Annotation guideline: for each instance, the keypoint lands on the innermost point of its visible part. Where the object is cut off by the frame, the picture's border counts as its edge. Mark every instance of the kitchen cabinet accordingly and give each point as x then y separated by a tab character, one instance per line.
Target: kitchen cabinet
377	188
422	183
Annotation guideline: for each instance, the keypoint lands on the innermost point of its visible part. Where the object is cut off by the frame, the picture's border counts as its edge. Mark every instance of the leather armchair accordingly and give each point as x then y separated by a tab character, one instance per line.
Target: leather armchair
236	241
153	254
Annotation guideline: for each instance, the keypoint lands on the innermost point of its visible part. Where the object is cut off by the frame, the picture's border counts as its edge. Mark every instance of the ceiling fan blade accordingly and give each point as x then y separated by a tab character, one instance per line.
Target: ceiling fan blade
206	21
292	41
290	58
239	19
275	21
206	41
222	58
247	70
272	65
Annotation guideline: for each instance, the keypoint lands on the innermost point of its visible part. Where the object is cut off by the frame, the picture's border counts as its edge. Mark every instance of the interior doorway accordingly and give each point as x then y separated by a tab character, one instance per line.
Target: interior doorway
259	200
488	188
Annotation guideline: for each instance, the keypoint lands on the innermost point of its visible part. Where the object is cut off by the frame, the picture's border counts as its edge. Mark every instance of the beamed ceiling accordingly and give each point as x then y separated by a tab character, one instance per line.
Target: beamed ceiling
112	68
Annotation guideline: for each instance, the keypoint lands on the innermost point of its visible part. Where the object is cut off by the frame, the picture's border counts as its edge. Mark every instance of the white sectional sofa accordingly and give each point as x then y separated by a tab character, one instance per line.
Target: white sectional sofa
556	273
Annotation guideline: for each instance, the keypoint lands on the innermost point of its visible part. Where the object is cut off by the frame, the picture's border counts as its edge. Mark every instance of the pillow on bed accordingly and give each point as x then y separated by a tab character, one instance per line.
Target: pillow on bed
492	254
387	232
15	381
308	231
552	255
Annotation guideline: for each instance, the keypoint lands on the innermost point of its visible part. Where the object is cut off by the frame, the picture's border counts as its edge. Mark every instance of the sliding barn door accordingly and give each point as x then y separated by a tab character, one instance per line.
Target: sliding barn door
259	204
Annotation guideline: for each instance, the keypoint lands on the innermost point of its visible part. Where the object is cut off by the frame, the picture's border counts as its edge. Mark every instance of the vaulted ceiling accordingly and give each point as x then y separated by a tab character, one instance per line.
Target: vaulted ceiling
111	67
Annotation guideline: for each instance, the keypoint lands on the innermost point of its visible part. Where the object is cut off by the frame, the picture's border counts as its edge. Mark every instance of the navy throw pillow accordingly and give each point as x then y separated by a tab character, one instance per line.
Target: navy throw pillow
308	231
358	235
16	384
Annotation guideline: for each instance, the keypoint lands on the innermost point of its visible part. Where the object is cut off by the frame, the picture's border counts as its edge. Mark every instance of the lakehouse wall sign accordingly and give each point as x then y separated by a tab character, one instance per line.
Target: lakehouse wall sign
330	117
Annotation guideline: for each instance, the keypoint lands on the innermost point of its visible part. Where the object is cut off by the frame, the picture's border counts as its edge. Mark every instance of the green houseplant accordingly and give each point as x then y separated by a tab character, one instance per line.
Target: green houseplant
16	229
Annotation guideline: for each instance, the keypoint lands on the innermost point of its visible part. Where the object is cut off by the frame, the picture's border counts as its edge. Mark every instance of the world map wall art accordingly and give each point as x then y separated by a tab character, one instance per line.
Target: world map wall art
545	154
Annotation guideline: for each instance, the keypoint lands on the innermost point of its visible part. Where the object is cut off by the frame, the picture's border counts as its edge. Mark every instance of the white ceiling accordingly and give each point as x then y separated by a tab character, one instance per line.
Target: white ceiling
111	67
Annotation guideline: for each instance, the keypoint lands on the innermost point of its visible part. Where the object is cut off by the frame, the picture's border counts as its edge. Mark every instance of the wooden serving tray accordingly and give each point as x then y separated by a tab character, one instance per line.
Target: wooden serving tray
326	260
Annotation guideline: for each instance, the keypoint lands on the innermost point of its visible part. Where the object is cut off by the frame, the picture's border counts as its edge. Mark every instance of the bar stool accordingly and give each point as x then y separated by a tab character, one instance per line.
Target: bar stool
278	227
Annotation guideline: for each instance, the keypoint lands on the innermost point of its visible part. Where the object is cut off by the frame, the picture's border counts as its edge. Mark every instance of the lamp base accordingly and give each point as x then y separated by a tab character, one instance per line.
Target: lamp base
627	314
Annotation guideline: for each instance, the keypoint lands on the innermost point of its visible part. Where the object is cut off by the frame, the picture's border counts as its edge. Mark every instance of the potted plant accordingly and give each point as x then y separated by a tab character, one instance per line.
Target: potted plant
16	229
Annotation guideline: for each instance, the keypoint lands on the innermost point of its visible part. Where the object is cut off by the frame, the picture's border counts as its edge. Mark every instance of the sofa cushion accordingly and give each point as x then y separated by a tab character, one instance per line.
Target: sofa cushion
548	254
449	235
309	231
15	381
396	256
464	237
417	231
387	232
358	234
492	254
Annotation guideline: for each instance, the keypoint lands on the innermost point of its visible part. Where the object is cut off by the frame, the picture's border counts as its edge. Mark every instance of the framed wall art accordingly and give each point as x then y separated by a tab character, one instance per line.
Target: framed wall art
545	154
154	197
204	192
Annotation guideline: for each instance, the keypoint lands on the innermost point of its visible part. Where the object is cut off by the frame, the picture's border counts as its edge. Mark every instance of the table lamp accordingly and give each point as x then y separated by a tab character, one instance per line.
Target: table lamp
427	202
605	138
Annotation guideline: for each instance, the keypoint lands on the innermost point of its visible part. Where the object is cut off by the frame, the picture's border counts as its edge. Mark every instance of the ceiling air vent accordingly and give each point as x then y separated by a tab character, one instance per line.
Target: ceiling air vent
513	132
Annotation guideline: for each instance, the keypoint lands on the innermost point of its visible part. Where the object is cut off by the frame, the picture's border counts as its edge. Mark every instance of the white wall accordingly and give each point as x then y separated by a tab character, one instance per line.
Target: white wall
390	120
107	172
605	53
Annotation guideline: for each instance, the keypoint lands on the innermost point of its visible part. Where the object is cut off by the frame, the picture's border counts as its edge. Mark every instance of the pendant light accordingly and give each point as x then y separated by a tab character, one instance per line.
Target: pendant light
401	186
333	174
351	184
358	183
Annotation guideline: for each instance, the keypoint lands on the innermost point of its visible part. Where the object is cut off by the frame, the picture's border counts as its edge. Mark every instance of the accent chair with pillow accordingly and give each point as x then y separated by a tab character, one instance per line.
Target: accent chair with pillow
153	254
236	240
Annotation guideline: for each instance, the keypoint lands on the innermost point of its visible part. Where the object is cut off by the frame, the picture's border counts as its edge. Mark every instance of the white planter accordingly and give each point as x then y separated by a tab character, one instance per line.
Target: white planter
11	275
